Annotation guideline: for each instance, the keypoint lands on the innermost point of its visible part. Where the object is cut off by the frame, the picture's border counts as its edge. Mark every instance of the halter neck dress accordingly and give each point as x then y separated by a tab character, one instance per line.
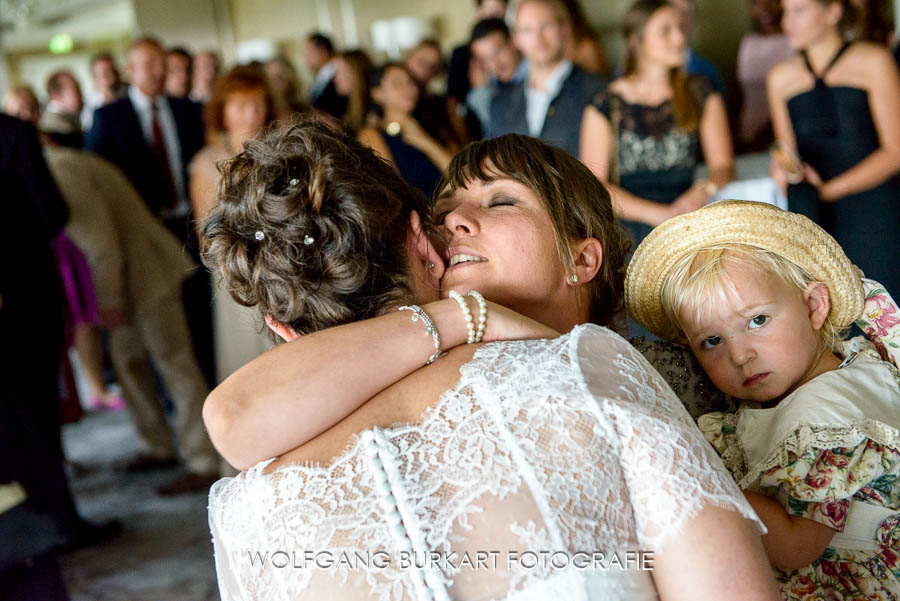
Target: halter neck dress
835	131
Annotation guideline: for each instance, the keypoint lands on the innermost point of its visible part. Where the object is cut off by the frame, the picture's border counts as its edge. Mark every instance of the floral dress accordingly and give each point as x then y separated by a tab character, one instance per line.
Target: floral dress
829	452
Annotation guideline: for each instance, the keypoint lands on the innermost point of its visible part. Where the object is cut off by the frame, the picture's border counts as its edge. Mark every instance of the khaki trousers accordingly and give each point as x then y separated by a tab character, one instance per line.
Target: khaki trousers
160	334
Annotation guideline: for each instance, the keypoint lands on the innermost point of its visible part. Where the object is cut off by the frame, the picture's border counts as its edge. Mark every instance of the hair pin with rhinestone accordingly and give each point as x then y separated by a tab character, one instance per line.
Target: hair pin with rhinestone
259	235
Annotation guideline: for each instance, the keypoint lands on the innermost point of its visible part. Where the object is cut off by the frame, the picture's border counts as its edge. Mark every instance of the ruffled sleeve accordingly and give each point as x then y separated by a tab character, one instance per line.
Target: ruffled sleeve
818	484
670	470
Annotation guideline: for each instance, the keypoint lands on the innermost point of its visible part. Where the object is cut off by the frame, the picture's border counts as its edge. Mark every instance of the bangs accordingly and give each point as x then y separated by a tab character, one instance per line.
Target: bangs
513	157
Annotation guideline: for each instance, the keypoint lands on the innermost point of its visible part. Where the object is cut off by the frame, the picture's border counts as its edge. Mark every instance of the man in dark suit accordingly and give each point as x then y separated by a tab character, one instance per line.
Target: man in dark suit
31	341
152	138
549	103
319	57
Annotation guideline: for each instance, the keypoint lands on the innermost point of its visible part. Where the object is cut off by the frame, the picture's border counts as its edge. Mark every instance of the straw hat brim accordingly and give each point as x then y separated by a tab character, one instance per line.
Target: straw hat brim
739	222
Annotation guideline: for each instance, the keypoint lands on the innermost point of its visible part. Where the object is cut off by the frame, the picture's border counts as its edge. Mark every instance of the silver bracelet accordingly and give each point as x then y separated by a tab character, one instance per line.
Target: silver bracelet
419	313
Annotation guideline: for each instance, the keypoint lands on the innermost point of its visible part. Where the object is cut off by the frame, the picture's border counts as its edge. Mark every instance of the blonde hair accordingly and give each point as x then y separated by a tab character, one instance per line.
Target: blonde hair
699	280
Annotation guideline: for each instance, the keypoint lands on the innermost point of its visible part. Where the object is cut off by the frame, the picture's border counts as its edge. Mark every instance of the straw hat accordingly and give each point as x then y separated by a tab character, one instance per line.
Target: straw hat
740	222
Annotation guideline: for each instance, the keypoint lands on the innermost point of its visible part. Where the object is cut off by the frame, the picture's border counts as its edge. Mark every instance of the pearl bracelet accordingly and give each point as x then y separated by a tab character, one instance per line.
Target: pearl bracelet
417	314
474	334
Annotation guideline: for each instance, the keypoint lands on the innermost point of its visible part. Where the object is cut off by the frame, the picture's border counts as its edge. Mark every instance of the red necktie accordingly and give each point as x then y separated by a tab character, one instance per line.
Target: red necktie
158	146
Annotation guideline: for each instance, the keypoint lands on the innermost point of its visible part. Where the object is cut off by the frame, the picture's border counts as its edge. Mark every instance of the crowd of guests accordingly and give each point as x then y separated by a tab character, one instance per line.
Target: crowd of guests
136	164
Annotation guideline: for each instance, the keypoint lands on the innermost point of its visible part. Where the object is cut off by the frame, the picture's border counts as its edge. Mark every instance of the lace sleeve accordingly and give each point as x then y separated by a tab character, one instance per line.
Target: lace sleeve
670	470
229	588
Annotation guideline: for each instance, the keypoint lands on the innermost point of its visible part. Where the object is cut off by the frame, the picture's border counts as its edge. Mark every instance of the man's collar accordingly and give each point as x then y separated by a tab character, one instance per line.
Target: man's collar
140	99
554	81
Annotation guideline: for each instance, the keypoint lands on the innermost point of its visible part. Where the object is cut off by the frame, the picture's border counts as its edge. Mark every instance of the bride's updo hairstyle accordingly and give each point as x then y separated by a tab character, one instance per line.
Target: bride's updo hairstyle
310	227
578	203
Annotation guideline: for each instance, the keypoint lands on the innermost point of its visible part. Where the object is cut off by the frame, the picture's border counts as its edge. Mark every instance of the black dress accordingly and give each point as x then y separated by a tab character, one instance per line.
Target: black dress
835	132
655	157
413	165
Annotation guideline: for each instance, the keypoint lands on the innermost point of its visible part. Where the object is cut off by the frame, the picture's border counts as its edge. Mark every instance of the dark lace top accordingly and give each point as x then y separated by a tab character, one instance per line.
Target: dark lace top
648	138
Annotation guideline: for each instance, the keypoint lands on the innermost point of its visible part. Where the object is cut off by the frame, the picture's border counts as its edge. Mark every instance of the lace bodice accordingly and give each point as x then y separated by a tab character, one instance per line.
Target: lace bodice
562	446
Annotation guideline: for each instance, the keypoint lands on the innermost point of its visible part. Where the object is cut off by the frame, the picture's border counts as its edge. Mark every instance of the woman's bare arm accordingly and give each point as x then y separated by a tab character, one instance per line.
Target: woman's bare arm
294	392
715	141
792	541
718	556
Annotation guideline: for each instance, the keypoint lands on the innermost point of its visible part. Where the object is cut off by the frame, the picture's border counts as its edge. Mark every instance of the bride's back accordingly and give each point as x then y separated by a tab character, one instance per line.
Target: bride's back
525	456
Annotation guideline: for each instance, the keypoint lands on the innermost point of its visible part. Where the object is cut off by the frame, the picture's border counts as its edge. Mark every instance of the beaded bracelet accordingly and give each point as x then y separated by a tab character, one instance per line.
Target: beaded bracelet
482	314
417	314
470	326
474	334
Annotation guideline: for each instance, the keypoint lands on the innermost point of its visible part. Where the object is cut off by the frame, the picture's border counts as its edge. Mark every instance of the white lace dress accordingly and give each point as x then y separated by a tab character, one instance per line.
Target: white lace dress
554	462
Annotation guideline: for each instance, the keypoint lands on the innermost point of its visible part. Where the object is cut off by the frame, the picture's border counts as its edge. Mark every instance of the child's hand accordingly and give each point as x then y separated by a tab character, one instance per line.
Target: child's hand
506	324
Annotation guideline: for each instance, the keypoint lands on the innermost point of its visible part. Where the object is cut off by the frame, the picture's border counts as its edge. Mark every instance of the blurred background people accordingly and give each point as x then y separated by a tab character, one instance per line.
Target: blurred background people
760	50
65	103
492	47
554	88
696	64
351	80
179	72
837	106
318	52
81	315
152	138
399	138
586	51
206	70
20	102
460	76
435	111
42	518
107	86
285	85
240	106
645	134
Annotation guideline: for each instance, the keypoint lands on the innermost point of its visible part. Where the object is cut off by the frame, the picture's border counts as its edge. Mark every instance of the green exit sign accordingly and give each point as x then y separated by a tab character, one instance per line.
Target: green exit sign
61	43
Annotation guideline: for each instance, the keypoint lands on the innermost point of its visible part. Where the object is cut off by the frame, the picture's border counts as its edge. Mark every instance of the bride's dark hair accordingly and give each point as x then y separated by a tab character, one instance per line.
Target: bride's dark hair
310	227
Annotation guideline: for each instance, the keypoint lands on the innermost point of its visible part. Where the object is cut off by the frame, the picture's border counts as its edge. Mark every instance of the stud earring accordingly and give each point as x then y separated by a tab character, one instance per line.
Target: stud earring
573	279
431	266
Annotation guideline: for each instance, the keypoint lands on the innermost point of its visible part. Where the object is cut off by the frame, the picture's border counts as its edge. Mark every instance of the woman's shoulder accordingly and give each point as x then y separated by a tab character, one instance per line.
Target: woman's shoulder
873	62
785	72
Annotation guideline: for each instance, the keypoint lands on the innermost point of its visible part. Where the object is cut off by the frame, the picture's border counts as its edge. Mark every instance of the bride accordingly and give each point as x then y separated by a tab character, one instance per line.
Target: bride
569	451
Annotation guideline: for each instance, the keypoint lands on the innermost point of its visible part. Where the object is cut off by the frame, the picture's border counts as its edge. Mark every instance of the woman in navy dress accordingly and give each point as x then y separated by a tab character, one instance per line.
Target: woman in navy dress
419	158
837	104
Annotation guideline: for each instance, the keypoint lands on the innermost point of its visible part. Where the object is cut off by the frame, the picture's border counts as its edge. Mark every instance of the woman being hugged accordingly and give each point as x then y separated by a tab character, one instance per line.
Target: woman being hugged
645	133
837	105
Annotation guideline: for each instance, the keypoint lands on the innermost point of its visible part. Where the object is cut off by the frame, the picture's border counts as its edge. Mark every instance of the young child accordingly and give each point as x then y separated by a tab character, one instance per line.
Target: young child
760	296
